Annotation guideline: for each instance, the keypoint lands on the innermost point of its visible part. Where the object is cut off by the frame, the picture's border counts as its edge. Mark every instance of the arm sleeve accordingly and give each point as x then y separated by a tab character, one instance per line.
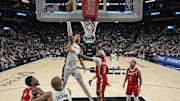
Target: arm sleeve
69	28
97	60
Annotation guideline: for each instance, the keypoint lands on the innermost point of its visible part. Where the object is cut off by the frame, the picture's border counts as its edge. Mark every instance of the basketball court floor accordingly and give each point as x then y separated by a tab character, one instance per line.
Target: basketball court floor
159	83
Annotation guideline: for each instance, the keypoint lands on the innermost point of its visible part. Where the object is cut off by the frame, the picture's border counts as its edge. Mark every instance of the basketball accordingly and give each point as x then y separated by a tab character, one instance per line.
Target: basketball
69	5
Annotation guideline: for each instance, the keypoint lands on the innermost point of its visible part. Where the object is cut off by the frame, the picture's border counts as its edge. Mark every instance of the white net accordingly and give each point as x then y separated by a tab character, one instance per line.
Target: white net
89	29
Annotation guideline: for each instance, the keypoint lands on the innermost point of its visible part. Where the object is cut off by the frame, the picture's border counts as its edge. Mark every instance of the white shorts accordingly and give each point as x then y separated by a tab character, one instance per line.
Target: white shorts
67	71
115	64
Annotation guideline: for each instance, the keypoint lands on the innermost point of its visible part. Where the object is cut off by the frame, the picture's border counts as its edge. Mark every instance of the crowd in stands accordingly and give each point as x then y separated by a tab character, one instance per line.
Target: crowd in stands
36	43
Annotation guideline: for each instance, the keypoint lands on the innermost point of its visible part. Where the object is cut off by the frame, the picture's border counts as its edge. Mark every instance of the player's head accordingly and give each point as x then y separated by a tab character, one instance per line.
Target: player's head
113	51
101	53
31	81
77	38
133	63
56	83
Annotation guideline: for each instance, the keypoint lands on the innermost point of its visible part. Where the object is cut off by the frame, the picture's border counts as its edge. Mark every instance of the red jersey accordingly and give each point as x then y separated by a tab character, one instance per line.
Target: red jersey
102	69
26	95
132	76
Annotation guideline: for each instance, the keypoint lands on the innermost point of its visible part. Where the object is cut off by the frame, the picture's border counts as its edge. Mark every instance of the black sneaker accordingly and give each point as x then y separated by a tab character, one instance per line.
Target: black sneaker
108	84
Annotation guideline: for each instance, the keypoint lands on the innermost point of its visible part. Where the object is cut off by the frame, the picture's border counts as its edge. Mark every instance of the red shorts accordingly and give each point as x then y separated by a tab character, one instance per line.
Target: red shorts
132	88
101	86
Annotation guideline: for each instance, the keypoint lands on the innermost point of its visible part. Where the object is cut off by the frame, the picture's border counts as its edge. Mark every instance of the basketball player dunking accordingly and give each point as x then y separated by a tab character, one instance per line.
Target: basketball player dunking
133	75
100	72
70	67
114	58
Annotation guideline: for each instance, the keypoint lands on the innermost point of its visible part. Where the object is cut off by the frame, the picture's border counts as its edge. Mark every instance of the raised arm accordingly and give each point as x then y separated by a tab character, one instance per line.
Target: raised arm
70	33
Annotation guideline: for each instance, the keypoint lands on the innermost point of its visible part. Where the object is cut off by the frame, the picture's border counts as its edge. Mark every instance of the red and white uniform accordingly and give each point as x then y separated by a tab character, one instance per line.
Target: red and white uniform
132	77
26	94
101	76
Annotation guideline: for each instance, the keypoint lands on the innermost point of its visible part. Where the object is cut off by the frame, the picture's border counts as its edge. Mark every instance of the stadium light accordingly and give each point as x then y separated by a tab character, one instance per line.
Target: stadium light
177	13
149	1
170	27
155	13
21	14
6	28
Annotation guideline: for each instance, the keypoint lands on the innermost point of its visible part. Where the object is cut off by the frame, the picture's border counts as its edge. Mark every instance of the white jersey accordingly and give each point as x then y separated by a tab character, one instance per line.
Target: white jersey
63	95
113	57
72	58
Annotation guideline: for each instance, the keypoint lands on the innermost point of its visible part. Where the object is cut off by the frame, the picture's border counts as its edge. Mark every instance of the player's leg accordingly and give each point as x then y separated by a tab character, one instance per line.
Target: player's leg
113	65
136	93
136	98
76	74
128	98
128	93
66	73
117	64
99	90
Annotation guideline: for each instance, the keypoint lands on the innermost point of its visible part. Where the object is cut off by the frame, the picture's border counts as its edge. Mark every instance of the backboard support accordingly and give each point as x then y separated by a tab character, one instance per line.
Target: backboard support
103	15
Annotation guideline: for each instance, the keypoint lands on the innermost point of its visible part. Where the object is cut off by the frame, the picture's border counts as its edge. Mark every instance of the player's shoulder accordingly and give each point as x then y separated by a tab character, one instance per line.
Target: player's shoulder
128	68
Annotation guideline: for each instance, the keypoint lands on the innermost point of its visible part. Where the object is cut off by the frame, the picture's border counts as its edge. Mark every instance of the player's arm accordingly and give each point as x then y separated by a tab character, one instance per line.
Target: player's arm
86	57
125	79
117	57
110	57
69	91
39	91
139	76
44	96
70	34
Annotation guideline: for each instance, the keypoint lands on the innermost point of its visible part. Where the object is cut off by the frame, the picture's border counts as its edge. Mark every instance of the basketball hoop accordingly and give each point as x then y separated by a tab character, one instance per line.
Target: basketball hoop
89	28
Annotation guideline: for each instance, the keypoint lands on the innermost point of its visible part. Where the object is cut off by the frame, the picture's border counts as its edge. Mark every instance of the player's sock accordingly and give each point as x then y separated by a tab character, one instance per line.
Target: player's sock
136	98
128	98
84	89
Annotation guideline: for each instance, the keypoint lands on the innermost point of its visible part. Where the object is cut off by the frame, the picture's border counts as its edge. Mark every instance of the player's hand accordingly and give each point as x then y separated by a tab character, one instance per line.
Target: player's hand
90	81
123	85
139	89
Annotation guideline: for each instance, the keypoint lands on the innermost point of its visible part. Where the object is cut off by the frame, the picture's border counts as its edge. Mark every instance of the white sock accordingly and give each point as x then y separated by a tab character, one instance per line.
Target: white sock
128	98
136	98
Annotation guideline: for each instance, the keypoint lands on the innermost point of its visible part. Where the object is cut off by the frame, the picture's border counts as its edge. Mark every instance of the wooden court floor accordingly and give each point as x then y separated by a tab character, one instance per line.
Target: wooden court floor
159	83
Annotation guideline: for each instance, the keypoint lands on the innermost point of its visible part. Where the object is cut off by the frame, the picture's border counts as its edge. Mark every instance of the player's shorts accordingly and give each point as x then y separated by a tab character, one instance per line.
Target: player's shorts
115	64
101	86
67	71
132	88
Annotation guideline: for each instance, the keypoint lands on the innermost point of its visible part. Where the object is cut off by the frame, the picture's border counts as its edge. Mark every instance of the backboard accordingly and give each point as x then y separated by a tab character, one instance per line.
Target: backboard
109	11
